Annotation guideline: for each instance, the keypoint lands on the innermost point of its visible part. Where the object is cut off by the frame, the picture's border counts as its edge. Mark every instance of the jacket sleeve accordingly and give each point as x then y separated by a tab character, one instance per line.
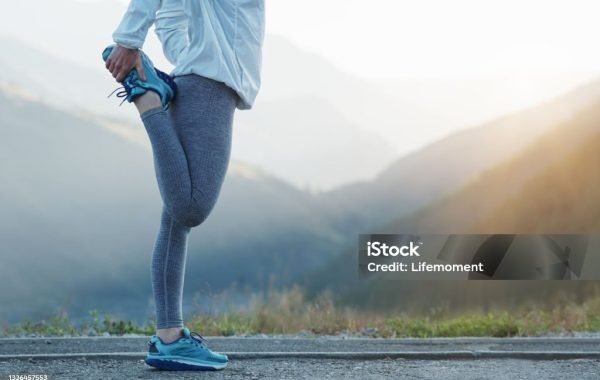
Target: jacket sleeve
138	18
172	28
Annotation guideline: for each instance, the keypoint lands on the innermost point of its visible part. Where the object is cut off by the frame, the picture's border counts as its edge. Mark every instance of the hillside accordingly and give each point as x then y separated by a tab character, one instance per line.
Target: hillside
80	210
564	198
290	72
420	179
551	186
283	119
531	180
308	139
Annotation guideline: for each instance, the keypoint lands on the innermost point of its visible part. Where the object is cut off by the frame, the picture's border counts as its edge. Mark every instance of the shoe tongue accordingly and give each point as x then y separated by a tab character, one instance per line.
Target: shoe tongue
186	332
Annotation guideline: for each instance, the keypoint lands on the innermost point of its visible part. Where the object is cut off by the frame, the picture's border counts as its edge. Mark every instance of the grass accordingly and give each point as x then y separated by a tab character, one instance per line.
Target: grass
289	312
59	325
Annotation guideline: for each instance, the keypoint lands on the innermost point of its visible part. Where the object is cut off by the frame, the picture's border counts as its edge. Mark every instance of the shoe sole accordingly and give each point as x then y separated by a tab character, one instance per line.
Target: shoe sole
176	364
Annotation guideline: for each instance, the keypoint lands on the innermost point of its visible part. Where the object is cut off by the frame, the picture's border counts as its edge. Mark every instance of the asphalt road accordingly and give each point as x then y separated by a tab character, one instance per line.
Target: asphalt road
315	358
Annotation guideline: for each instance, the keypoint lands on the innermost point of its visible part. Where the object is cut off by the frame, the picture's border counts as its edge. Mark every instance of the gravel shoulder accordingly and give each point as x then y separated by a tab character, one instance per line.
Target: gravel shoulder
316	369
252	358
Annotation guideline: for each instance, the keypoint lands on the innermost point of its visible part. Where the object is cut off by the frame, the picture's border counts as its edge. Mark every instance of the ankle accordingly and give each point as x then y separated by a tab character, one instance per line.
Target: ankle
169	335
147	101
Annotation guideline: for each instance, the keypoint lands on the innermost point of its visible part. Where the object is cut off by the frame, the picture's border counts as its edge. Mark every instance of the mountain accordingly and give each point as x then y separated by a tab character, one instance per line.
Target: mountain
308	140
563	198
79	207
80	210
291	72
394	109
421	178
57	82
264	137
550	186
407	114
72	31
528	192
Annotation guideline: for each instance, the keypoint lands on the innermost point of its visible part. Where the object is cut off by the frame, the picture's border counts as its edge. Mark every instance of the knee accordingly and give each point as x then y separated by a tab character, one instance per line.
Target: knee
193	215
192	220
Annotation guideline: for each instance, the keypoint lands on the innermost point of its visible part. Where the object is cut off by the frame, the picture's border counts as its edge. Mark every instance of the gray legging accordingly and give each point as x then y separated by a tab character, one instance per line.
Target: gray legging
191	144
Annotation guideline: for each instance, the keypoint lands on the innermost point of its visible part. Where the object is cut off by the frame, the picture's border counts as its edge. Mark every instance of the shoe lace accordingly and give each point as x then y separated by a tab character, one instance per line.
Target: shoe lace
127	86
121	94
198	339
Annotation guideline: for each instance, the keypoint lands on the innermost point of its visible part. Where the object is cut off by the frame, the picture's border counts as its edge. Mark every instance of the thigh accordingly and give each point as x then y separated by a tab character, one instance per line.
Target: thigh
202	115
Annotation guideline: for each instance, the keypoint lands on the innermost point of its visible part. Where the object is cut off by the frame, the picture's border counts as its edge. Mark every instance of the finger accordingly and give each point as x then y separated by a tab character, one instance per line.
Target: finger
117	70
111	58
122	72
111	65
114	69
120	75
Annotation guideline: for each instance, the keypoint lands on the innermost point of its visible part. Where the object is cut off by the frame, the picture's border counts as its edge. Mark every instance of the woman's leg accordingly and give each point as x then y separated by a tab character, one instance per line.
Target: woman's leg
168	270
191	144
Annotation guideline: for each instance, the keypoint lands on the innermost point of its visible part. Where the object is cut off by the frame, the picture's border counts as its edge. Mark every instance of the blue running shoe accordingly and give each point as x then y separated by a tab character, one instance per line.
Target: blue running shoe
186	353
156	80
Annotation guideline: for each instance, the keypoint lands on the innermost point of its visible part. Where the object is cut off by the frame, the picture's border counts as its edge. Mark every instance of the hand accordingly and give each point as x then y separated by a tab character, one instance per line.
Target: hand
122	60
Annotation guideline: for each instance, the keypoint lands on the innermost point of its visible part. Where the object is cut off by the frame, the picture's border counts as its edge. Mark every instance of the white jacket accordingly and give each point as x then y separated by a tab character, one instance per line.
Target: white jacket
217	39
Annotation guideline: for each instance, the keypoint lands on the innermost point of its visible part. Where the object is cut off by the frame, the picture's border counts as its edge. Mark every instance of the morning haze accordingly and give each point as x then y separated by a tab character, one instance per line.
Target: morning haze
329	152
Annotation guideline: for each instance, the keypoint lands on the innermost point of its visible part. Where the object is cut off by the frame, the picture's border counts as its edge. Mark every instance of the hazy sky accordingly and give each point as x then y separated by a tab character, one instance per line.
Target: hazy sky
448	64
393	39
